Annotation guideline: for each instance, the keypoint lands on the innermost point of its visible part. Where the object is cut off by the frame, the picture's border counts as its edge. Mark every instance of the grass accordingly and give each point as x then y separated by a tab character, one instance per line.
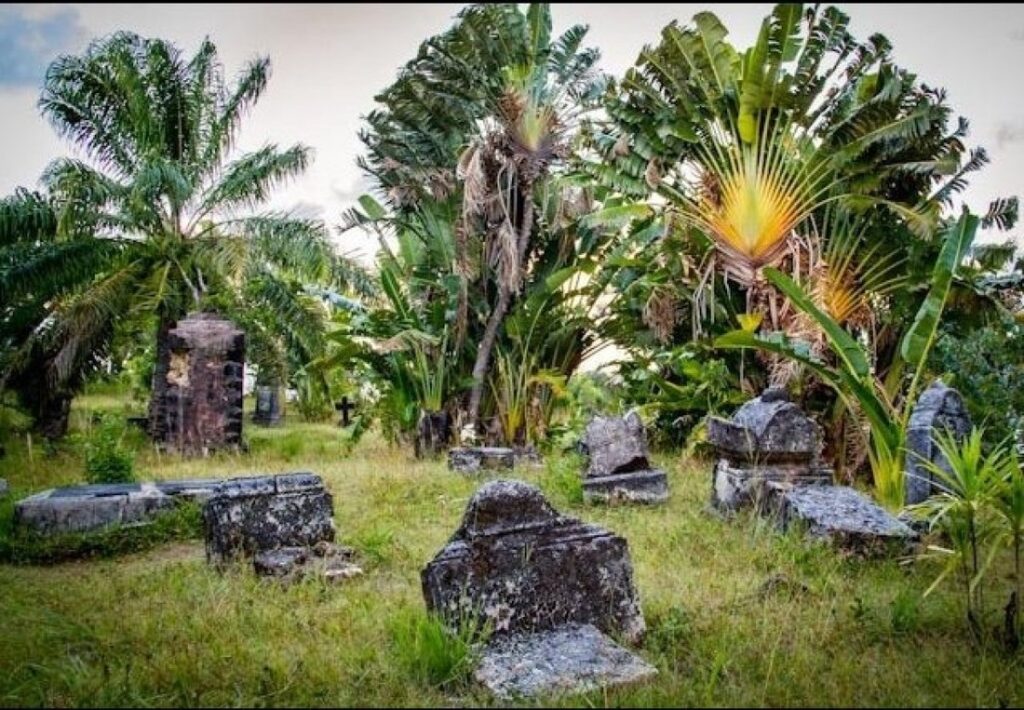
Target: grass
737	613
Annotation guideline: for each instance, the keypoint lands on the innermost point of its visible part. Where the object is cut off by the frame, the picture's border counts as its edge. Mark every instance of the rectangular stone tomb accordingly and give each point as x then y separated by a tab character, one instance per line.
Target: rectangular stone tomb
840	514
481	458
737	486
248	516
517	565
570	659
618	468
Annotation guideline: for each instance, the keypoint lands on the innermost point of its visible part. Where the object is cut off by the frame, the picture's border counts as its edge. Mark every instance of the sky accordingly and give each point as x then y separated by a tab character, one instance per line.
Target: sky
328	61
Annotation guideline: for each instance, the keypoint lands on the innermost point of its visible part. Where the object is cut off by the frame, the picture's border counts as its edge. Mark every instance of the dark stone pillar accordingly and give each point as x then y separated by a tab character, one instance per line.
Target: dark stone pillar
268	405
201	406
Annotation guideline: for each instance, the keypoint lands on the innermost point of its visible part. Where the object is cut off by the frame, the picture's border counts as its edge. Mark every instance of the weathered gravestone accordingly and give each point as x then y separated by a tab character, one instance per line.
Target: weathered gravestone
769	439
618	468
268	405
199	404
247	516
474	459
839	514
938	408
535	578
433	433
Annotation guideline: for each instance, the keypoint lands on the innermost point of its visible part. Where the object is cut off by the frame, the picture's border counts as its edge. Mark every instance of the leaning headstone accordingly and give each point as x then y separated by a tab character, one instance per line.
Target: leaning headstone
519	565
533	576
839	514
200	404
938	408
253	515
618	468
474	459
769	439
578	658
268	406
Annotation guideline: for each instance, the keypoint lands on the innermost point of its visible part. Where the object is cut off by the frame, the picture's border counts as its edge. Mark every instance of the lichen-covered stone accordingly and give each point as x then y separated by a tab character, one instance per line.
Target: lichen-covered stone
248	516
768	440
475	459
199	405
618	467
86	508
938	408
518	565
840	514
571	659
328	561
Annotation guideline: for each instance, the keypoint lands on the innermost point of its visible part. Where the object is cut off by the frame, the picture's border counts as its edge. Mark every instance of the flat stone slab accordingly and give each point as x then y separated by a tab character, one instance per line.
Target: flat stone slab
518	565
247	516
475	459
840	514
648	487
568	660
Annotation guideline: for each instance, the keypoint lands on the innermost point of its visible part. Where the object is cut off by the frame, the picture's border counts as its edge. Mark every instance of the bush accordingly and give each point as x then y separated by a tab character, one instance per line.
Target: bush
107	460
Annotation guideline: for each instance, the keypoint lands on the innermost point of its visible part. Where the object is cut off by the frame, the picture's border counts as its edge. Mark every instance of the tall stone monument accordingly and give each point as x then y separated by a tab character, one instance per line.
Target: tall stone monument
199	405
938	408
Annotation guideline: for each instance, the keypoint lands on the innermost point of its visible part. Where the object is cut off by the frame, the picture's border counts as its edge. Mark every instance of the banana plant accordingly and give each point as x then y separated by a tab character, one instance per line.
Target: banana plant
852	376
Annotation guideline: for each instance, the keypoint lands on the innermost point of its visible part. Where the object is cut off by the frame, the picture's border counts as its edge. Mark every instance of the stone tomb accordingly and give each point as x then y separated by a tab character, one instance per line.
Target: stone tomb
481	459
618	469
769	439
938	408
198	407
85	508
541	582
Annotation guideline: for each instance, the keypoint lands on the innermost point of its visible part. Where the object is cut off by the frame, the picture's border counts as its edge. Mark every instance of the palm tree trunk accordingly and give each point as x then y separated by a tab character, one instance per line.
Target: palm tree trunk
483	355
158	385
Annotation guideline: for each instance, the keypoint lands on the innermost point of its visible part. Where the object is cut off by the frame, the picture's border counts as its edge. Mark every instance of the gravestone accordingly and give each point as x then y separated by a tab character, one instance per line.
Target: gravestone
845	517
768	439
534	577
474	459
345	407
252	515
200	408
333	563
268	405
520	565
618	468
433	433
938	408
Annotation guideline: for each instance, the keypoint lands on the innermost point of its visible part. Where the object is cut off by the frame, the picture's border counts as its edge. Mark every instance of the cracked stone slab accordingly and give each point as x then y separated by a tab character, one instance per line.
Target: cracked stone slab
331	562
570	659
840	514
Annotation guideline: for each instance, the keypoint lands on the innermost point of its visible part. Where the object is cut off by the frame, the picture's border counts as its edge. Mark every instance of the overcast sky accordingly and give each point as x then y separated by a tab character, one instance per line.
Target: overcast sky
329	60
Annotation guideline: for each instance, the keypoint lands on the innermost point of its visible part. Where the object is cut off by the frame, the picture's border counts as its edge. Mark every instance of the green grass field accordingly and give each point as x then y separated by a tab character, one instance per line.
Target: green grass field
160	627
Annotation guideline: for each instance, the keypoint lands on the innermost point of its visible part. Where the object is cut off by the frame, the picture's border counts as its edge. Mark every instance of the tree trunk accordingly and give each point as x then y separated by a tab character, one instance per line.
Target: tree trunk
158	386
483	355
52	414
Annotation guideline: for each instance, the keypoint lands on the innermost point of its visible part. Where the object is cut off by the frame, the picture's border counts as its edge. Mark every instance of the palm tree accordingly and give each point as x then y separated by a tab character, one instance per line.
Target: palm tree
159	193
491	106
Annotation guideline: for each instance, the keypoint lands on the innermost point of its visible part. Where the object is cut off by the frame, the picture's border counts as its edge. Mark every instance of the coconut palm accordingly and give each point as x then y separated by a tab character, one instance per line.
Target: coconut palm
160	193
487	109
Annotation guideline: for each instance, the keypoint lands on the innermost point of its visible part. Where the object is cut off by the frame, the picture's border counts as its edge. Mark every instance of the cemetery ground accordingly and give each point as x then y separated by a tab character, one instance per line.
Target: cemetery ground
737	613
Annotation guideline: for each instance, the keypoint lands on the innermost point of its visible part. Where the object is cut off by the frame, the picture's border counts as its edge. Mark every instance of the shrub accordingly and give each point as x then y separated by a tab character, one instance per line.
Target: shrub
107	460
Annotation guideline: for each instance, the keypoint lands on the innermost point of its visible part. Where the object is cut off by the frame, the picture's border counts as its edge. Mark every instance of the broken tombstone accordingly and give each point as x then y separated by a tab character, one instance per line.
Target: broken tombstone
333	563
618	469
197	393
532	577
839	514
247	516
938	408
769	439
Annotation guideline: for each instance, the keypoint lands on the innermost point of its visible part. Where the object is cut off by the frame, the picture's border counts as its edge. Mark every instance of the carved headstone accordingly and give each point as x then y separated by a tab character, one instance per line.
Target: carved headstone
938	408
618	468
518	564
769	439
268	405
201	406
252	515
